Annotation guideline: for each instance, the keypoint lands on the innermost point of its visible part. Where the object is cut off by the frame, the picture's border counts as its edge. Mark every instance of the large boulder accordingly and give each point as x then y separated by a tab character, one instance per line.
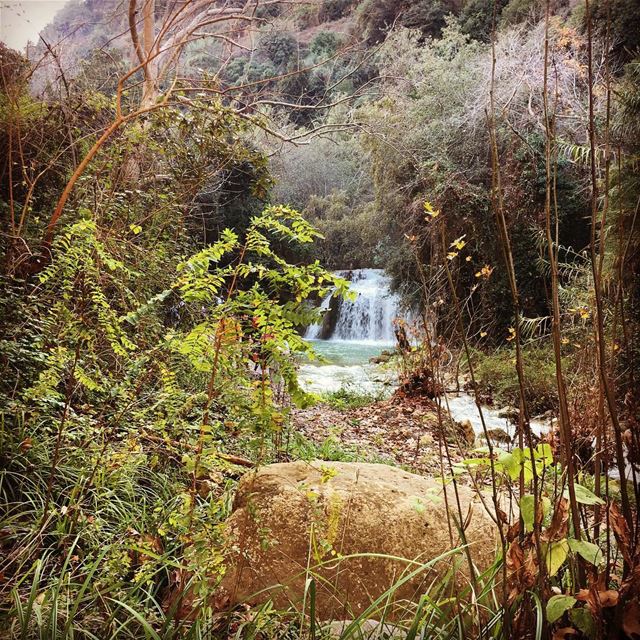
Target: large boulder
298	520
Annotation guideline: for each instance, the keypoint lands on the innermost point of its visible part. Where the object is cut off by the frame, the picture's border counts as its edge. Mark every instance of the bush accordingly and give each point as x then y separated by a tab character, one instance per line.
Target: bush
325	44
334	9
278	47
496	376
476	18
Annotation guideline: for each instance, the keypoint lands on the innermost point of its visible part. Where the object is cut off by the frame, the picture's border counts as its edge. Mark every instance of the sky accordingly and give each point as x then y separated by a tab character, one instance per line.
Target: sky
22	20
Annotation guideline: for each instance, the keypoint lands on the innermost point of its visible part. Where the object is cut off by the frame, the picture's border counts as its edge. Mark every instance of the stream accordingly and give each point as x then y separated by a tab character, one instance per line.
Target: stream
355	331
362	329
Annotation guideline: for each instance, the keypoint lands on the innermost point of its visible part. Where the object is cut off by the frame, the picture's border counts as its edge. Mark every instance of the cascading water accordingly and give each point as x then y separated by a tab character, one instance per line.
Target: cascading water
367	318
351	332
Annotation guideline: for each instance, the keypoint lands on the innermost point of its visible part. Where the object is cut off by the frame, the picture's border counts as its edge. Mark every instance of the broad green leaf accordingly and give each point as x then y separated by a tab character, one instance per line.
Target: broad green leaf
584	496
528	511
556	555
544	453
557	605
510	464
583	619
589	551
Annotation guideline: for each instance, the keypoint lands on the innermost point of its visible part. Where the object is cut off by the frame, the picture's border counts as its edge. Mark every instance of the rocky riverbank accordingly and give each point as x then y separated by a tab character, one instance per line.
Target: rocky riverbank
401	430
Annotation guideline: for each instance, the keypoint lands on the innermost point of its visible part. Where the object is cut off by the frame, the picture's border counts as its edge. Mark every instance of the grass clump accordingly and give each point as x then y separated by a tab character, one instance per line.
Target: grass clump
347	398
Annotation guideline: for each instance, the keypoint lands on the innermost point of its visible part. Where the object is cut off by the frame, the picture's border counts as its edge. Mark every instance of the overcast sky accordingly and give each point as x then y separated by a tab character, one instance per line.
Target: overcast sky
22	20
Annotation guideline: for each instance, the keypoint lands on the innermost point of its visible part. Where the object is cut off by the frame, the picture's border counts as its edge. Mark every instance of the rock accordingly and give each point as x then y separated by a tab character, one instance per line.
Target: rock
512	414
499	435
465	429
289	516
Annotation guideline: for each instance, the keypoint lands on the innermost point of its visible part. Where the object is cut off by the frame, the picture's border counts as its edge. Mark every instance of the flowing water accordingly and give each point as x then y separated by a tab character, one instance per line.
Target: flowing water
367	318
363	329
360	329
347	366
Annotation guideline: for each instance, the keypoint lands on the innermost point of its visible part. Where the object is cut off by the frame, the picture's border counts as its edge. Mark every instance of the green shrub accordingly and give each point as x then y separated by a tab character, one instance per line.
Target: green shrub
325	44
278	47
496	375
334	9
349	398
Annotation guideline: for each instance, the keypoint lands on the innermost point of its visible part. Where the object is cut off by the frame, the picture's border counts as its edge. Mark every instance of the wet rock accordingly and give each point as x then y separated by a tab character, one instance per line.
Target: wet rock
499	435
465	430
512	414
289	516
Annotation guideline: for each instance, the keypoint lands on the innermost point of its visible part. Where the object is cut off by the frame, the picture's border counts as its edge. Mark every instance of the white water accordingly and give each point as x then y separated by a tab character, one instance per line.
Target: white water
367	318
315	330
462	406
364	328
347	366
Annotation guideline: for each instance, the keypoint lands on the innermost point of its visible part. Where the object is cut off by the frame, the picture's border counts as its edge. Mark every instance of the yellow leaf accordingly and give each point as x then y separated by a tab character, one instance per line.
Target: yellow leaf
485	272
458	243
430	211
556	555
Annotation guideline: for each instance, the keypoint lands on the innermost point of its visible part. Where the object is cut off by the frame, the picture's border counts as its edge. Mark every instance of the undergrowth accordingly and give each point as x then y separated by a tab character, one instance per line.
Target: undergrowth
497	378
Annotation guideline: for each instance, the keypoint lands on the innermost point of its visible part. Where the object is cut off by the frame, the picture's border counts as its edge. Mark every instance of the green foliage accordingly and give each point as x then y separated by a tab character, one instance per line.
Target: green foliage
476	18
330	449
347	398
558	605
335	9
278	47
324	44
497	376
377	17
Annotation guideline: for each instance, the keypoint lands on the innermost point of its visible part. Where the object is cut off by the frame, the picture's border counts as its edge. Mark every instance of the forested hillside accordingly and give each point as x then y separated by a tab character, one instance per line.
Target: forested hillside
319	319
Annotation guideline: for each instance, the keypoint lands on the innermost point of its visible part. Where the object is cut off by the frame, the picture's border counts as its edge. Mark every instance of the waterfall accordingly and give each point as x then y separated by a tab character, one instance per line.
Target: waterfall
367	318
314	332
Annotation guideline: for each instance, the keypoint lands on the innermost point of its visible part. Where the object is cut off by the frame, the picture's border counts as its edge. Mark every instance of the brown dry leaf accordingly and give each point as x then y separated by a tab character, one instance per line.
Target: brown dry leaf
609	597
530	568
598	599
514	531
559	523
561	634
621	531
515	558
631	619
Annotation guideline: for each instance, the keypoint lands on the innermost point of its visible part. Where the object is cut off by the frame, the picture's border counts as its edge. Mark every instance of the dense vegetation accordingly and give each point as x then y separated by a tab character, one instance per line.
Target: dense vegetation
178	182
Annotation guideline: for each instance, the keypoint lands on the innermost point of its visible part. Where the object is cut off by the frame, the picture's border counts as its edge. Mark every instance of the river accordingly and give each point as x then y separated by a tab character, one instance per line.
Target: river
363	329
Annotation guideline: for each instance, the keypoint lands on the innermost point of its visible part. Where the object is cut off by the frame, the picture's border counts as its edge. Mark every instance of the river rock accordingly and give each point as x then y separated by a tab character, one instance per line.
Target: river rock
499	435
512	414
293	516
465	429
